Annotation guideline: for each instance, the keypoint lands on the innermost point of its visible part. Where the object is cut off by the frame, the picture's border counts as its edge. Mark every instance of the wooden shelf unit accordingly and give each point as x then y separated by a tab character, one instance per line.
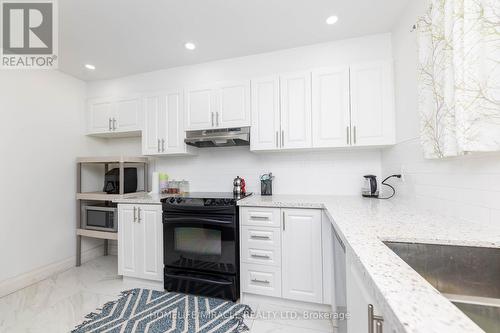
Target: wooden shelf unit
81	197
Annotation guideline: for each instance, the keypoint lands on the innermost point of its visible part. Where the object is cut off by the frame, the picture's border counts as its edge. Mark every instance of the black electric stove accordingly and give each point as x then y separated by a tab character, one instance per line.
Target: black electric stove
201	244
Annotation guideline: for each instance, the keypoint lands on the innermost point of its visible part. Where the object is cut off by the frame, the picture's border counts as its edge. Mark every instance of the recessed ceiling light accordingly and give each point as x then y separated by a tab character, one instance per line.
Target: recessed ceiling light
190	46
89	66
332	20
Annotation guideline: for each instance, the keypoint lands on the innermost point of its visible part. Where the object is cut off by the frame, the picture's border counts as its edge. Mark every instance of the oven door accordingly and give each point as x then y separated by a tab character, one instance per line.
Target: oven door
200	243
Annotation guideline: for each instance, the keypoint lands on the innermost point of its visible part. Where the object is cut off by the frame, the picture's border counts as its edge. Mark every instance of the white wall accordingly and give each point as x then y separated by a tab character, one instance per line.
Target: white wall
465	186
42	133
325	172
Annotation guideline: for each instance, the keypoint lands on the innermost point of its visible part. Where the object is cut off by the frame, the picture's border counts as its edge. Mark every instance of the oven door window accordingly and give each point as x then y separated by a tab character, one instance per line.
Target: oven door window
198	241
207	244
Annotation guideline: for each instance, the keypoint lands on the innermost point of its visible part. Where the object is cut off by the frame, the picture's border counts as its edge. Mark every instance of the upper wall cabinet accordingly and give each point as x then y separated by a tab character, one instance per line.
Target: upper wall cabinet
163	132
328	108
266	127
114	116
281	112
330	104
295	92
218	106
372	104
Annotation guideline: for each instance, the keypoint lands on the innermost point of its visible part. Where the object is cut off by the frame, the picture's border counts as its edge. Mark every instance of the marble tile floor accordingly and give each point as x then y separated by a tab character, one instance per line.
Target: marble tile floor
57	304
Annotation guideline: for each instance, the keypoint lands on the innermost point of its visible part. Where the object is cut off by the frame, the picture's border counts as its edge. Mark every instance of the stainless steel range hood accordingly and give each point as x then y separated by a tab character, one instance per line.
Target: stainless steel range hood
224	137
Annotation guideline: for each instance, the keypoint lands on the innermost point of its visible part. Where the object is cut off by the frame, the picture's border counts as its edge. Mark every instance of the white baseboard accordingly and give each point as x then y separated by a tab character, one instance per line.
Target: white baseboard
24	280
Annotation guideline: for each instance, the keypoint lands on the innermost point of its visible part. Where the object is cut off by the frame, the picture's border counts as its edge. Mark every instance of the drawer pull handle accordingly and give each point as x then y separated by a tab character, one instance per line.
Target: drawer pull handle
261	281
260	237
261	256
258	217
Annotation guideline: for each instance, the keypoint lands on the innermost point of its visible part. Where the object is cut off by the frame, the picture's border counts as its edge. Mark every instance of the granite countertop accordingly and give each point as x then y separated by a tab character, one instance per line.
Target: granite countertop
410	304
143	199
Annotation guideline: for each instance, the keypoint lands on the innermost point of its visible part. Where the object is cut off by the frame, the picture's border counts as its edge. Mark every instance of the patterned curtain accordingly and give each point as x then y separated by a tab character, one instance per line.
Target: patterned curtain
459	77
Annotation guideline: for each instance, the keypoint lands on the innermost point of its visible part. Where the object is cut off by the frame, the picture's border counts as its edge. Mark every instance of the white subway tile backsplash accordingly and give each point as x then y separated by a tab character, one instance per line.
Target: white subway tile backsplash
466	187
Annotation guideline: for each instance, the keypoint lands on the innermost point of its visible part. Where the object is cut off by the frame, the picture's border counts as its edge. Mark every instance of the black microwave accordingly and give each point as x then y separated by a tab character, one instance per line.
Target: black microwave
100	217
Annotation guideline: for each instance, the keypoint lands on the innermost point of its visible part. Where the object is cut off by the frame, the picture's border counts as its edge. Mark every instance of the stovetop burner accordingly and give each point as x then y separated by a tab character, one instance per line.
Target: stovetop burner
205	199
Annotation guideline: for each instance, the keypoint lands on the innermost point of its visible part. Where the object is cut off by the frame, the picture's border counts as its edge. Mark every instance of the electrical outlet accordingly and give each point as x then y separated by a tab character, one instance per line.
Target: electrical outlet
403	173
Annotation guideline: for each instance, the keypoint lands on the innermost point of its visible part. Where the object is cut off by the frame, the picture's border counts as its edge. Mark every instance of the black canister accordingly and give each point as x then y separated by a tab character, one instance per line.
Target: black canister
266	184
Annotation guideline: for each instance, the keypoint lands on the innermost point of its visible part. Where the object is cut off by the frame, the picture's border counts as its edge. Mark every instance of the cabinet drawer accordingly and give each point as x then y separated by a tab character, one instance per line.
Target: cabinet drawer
261	280
263	217
261	245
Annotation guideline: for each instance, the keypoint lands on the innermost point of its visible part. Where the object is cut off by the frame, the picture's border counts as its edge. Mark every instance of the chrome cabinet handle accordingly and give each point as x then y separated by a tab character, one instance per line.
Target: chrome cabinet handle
260	237
348	136
374	320
139	215
277	139
379	327
114	124
135	214
217	118
163	145
261	281
259	217
159	145
282	138
259	256
110	125
284	225
355	135
212	119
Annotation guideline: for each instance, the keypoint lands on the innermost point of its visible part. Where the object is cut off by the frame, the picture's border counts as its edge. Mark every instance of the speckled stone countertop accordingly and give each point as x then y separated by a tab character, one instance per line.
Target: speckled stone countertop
410	304
143	199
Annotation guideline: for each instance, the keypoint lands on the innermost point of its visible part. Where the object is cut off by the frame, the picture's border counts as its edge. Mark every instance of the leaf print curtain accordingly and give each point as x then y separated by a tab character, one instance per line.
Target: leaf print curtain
459	77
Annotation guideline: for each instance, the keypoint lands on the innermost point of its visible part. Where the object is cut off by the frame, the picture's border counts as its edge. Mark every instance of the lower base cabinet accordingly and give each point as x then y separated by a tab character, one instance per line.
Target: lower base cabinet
364	311
140	241
281	253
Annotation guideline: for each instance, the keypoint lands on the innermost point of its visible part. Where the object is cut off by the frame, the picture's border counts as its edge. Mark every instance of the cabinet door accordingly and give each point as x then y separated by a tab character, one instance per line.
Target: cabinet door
150	239
100	114
128	241
174	124
330	107
302	275
359	296
153	112
265	131
233	104
128	114
200	113
372	104
296	110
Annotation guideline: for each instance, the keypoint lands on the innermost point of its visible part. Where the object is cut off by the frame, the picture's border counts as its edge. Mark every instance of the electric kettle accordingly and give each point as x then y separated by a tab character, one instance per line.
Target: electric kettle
370	188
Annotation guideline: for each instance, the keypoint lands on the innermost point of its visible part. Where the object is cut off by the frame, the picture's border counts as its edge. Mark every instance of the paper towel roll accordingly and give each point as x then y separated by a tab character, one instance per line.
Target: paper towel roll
155	186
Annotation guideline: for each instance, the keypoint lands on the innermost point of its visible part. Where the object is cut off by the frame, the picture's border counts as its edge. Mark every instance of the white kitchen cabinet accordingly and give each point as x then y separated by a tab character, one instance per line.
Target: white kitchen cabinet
220	105
331	107
140	241
295	93
281	112
281	253
127	114
100	116
233	104
266	126
372	104
163	132
301	255
114	116
200	108
359	296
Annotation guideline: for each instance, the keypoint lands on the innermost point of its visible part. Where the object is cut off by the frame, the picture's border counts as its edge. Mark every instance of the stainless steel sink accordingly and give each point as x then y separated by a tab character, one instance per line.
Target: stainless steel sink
468	276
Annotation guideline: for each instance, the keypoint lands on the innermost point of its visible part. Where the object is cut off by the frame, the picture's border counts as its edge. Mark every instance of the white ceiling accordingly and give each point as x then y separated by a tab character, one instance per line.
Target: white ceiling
123	37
